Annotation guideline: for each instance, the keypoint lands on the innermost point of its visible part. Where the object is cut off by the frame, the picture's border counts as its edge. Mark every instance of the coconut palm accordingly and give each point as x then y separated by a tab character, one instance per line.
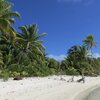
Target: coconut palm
7	47
29	43
77	55
7	18
89	42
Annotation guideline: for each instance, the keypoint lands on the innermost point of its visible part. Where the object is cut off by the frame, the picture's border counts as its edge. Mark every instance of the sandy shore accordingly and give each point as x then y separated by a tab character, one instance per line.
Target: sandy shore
47	88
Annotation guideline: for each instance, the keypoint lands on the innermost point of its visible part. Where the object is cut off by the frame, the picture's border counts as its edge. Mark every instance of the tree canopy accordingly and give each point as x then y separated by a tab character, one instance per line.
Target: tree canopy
23	53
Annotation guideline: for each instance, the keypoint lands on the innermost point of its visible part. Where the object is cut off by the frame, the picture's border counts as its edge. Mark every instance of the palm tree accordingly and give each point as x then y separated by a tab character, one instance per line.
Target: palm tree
7	47
7	18
89	42
28	42
77	55
7	42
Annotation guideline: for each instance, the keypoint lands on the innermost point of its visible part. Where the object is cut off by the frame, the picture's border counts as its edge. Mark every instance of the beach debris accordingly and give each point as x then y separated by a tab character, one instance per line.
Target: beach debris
71	79
81	80
62	79
17	78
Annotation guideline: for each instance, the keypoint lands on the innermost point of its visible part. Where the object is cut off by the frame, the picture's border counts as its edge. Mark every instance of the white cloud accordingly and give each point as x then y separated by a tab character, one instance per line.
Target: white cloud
58	58
96	55
61	57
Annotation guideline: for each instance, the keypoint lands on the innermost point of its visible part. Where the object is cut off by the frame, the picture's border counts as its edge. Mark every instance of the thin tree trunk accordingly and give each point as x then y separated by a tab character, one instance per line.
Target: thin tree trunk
83	77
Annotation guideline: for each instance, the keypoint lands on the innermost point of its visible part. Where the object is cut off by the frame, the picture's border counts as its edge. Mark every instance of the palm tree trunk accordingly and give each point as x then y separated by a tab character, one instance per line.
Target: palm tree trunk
83	77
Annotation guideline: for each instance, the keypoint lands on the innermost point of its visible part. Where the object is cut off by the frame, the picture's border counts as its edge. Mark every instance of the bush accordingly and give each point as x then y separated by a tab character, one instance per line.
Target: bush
24	74
4	74
15	74
72	71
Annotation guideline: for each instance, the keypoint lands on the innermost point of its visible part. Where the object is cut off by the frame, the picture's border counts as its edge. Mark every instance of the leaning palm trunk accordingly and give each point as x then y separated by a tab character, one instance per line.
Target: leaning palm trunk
83	77
72	78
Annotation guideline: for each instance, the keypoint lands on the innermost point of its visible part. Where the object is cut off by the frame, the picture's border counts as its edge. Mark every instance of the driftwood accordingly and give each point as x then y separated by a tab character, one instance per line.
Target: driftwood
17	78
62	79
81	80
71	79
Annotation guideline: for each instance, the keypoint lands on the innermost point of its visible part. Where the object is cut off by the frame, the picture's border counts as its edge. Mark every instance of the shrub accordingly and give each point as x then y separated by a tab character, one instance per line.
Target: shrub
24	74
4	74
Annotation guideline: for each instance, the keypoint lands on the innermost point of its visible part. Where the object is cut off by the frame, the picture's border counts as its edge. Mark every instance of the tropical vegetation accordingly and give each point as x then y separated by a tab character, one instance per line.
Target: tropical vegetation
23	54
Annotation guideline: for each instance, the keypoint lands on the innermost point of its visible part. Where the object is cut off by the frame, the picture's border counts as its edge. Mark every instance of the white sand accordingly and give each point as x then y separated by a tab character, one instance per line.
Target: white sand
47	88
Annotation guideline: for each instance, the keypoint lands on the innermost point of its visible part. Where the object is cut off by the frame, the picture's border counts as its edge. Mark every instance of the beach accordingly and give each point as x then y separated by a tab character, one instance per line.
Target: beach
94	95
47	88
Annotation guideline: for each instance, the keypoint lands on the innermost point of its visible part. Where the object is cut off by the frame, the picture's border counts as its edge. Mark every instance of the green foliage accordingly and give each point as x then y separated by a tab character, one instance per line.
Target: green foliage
29	44
89	41
4	74
7	18
78	60
23	54
72	71
15	74
24	74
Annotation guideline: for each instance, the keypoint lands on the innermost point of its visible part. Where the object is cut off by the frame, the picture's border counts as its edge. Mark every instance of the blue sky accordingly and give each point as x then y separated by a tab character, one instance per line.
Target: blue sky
66	22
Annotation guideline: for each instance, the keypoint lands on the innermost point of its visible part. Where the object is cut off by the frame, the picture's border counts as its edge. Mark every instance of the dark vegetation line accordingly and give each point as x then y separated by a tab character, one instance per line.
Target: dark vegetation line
23	54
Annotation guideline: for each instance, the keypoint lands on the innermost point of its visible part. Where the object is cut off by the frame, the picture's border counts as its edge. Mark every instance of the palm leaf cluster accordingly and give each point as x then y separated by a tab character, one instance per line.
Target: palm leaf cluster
7	18
77	53
89	41
28	42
